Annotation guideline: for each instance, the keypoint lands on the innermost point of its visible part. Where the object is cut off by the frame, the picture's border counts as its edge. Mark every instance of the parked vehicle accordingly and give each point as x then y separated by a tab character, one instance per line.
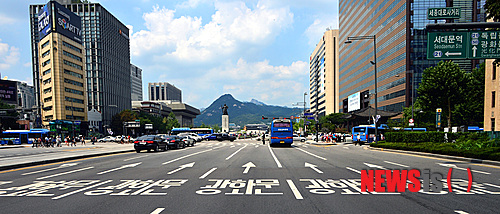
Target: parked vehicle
212	136
194	136
174	141
150	142
298	138
107	139
188	140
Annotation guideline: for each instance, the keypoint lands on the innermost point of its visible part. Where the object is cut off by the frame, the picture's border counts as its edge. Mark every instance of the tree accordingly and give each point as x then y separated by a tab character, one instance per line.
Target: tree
443	86
471	112
332	121
492	8
8	121
172	122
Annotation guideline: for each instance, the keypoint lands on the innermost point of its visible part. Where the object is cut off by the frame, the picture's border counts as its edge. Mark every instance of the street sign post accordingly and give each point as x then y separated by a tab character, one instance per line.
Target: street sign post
411	122
484	44
447	45
438	117
444	13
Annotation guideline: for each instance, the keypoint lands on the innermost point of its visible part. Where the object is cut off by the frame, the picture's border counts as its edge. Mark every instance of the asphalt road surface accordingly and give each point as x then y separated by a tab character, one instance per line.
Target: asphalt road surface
243	177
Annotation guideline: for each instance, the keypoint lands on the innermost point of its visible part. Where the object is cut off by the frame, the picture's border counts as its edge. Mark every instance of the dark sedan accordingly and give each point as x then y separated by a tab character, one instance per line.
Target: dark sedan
149	142
174	141
224	136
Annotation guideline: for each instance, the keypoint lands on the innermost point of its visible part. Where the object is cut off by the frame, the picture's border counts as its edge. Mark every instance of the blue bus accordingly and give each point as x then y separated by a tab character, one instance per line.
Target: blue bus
22	136
199	131
366	133
281	131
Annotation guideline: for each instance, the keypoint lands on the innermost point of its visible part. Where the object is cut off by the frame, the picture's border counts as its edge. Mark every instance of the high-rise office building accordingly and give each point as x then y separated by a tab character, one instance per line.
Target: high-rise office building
106	49
324	75
25	95
164	91
62	72
401	41
136	83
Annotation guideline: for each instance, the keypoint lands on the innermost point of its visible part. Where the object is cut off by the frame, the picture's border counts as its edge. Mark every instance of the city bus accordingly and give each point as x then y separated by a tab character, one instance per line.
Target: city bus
366	133
281	132
22	136
199	131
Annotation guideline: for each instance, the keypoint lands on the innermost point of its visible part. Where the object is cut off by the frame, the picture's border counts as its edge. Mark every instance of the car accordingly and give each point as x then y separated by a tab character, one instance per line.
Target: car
298	138
225	136
212	136
107	139
174	141
150	142
194	136
188	140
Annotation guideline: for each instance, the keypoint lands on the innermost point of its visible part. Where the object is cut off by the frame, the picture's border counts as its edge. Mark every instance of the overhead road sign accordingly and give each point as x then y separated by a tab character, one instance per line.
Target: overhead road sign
463	45
444	13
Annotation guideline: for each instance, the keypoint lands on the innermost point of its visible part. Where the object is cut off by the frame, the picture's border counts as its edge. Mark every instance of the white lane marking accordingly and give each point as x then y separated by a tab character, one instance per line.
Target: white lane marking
207	173
312	166
80	190
256	146
356	171
322	158
232	146
374	166
158	210
397	164
64	173
181	167
461	212
456	167
59	167
135	158
345	147
247	167
121	167
180	158
294	189
274	156
230	156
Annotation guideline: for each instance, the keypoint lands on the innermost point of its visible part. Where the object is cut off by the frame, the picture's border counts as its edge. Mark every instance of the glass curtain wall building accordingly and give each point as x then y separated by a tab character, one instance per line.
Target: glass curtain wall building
107	53
399	27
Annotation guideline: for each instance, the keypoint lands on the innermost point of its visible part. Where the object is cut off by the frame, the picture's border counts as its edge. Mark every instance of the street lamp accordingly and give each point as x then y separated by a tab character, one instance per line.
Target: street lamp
374	62
304	111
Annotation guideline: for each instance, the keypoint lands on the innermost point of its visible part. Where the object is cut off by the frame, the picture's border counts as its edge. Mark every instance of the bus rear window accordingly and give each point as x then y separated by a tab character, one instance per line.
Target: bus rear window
359	130
281	124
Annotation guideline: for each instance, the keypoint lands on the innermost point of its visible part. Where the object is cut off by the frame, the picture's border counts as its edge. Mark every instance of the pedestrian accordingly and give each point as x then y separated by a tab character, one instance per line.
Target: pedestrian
58	141
83	140
66	140
93	139
358	140
264	139
73	140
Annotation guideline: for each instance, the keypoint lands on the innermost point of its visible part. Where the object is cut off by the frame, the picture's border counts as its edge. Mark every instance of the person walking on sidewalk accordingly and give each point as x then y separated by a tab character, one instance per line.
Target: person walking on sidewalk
83	140
93	139
58	141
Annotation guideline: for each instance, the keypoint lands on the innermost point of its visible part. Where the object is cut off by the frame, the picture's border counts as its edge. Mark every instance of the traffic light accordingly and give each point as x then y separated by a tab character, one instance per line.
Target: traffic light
264	118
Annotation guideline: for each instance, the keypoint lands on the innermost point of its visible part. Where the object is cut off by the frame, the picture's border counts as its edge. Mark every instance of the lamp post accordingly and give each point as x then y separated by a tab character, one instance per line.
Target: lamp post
374	62
304	111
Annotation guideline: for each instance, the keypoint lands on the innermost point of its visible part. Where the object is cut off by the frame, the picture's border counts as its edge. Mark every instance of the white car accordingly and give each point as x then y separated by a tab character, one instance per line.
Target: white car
298	138
194	136
107	139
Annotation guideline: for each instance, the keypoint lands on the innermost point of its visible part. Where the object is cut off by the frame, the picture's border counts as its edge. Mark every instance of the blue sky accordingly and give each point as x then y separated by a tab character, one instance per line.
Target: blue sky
251	49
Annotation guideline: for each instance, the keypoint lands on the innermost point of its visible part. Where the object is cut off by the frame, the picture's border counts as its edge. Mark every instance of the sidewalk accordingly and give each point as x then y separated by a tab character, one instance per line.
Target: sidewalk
58	154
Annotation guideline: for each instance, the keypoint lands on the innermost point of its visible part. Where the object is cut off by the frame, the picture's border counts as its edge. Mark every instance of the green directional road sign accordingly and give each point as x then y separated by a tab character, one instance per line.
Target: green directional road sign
447	45
484	45
444	13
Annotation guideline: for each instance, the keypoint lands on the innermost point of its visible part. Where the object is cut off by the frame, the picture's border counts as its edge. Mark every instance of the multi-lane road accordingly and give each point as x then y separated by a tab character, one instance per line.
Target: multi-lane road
244	176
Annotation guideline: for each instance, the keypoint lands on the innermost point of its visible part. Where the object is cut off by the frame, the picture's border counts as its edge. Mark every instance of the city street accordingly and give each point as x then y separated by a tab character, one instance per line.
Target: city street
244	176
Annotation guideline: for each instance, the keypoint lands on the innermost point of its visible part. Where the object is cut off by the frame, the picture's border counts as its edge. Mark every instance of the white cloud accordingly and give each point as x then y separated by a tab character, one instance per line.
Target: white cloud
191	3
232	27
316	30
9	55
6	20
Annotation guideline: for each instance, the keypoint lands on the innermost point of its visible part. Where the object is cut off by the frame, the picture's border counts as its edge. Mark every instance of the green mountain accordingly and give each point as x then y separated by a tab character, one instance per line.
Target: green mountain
242	113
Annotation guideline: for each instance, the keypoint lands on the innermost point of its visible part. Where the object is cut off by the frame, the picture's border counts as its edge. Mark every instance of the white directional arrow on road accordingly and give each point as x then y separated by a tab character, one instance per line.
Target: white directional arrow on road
374	166
181	167
247	167
121	167
460	168
59	167
312	166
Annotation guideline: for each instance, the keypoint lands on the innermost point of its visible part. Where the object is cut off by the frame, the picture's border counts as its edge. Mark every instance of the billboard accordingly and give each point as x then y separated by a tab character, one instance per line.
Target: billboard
56	18
353	102
8	91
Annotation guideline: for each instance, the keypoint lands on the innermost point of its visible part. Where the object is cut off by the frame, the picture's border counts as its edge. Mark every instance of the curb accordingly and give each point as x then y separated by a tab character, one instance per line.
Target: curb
15	166
457	158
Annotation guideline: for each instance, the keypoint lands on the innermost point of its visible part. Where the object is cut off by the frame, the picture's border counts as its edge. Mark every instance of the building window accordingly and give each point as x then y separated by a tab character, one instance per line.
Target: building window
494	72
45	44
72	56
492	124
74	100
45	63
72	47
79	67
48	99
46	53
73	91
47	81
73	82
493	99
73	74
48	90
46	72
74	109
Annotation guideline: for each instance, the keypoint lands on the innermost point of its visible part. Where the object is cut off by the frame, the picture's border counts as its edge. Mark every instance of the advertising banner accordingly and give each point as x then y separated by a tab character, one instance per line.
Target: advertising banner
354	102
8	91
44	22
